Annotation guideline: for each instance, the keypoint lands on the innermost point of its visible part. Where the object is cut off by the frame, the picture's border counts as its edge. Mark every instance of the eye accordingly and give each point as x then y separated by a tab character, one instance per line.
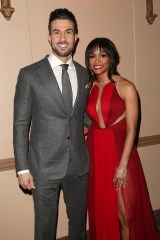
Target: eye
91	56
69	32
55	32
104	55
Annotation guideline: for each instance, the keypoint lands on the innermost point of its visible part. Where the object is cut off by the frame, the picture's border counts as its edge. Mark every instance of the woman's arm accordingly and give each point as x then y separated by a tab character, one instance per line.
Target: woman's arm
130	96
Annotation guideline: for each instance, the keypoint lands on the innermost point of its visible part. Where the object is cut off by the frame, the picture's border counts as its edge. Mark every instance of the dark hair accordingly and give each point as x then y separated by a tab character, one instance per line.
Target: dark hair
107	46
62	13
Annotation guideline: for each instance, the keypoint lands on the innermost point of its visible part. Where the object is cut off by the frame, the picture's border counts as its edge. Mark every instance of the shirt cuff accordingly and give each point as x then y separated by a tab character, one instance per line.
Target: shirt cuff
23	171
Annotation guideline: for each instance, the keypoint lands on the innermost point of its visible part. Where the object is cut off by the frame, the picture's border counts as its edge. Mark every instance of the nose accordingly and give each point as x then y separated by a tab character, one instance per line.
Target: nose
97	59
63	37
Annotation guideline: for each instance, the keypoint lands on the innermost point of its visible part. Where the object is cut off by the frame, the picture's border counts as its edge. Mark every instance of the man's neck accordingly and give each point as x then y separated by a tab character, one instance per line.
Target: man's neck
63	59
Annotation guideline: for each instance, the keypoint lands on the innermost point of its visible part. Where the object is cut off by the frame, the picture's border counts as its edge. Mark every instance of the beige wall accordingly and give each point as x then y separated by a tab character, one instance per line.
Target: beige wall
24	40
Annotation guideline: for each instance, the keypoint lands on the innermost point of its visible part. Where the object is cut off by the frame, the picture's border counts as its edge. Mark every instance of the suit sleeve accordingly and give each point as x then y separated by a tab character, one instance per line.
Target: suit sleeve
87	120
22	120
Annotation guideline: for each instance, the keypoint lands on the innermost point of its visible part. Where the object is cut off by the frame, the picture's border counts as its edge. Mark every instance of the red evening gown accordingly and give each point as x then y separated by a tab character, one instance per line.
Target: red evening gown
105	143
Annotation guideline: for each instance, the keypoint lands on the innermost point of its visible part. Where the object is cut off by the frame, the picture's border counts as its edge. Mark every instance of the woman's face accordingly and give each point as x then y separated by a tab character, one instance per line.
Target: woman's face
99	62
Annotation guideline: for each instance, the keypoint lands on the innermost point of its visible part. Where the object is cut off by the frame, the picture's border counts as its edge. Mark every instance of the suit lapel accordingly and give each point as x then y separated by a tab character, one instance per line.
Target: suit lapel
79	87
46	74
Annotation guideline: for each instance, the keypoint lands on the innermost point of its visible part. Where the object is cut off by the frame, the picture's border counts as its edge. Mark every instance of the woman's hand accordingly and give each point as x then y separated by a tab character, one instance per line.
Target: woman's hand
120	178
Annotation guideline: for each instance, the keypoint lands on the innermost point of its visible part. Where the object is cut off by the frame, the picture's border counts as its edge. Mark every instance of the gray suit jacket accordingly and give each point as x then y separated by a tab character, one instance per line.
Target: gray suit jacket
44	133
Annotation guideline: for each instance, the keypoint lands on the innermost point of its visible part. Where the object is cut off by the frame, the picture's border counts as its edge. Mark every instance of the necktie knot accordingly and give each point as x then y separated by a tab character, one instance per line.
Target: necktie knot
64	67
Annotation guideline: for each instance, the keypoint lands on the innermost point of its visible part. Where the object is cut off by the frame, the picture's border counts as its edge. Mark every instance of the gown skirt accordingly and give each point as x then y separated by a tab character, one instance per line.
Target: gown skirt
102	194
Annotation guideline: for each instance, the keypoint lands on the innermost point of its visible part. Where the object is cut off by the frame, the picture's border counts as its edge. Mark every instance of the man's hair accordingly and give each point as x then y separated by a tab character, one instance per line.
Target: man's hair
62	13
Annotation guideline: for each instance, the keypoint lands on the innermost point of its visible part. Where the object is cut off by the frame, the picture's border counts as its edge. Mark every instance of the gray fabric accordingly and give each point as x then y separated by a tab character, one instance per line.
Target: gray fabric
66	88
54	133
49	141
46	198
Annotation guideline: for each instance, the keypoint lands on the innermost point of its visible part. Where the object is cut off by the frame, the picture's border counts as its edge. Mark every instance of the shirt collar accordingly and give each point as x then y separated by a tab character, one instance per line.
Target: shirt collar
55	62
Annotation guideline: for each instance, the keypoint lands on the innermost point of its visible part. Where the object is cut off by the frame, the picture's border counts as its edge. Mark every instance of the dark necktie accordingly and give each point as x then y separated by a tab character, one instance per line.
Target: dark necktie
66	88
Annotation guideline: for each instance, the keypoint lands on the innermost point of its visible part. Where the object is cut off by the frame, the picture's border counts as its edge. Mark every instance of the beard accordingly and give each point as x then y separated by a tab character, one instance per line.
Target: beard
63	53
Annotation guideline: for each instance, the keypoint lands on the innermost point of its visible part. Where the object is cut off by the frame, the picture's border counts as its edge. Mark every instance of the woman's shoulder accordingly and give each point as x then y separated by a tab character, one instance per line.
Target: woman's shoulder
124	86
123	82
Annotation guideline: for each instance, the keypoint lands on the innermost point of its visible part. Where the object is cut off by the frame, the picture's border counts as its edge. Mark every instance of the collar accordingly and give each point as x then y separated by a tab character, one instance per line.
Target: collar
55	62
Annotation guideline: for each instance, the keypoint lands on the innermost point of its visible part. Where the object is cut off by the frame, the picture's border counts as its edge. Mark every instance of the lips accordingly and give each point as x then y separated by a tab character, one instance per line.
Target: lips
97	66
63	45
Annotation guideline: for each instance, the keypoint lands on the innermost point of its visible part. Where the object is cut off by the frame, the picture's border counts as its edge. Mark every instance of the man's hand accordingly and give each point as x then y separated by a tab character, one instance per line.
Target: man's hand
26	181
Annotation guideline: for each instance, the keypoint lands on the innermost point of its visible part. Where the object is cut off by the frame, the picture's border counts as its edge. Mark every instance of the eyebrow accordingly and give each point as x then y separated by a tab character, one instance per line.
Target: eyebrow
68	29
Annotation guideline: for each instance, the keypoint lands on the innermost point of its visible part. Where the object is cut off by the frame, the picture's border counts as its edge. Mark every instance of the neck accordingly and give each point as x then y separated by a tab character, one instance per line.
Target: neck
102	80
63	59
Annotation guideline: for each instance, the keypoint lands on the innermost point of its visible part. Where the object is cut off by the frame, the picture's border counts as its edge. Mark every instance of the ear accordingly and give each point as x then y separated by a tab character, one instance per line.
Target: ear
49	39
76	37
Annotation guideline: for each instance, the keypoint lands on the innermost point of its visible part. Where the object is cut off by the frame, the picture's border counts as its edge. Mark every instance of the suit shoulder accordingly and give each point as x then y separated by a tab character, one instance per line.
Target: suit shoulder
80	66
35	66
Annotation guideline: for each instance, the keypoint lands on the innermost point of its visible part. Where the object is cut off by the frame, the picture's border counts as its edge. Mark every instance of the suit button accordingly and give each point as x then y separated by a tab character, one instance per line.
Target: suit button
68	138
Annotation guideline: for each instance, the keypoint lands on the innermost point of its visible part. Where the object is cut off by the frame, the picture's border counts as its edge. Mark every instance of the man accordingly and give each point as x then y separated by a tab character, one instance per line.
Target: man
49	145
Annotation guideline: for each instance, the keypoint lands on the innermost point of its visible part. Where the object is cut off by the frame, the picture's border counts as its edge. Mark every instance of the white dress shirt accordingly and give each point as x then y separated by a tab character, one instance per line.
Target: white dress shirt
57	70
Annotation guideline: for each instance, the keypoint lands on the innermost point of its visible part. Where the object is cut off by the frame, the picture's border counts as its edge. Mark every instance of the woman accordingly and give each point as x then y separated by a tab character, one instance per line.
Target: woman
118	202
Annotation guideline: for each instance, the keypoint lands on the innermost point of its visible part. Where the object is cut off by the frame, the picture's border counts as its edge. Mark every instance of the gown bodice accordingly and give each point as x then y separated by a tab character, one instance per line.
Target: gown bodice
105	105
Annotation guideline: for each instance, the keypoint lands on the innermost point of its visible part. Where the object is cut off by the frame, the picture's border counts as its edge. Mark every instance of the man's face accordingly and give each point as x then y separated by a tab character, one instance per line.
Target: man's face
62	38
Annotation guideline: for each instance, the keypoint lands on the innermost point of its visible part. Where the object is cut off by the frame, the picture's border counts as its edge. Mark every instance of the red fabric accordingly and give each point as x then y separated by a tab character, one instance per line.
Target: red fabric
105	147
